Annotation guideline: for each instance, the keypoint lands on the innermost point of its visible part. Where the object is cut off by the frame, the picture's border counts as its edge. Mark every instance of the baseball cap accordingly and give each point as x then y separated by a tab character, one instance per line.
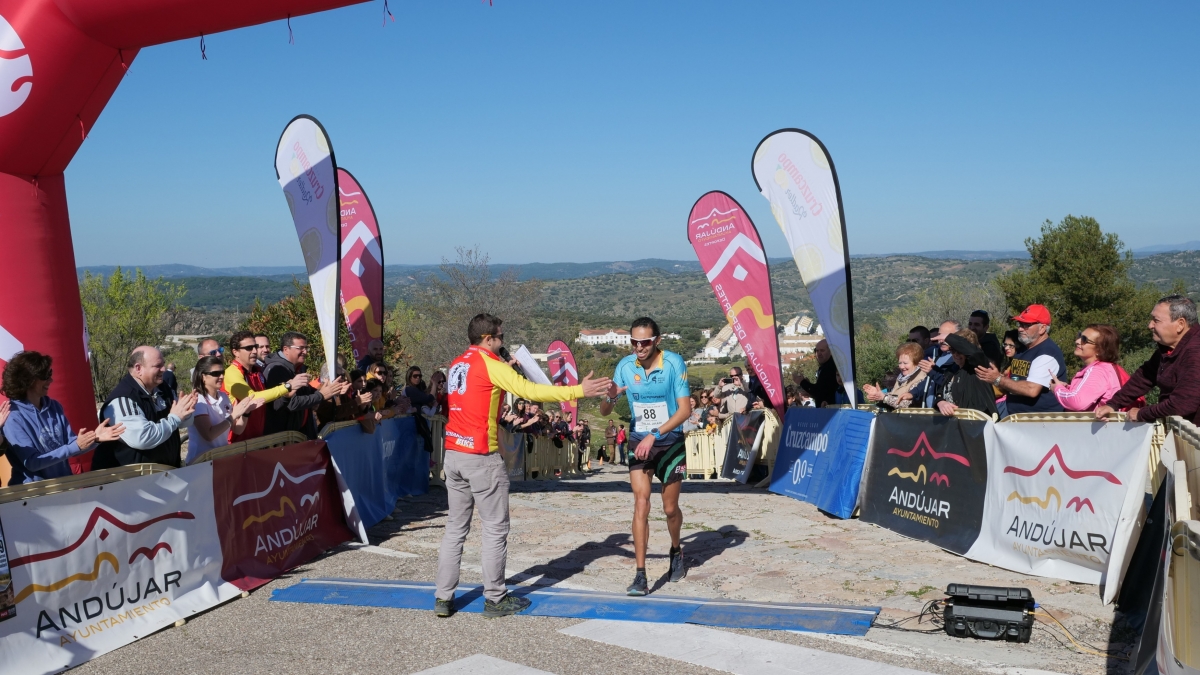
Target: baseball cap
1034	314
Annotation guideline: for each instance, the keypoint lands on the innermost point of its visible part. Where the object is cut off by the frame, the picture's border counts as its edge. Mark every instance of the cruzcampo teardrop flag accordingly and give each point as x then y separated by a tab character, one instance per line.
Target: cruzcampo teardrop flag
563	374
795	173
732	256
361	268
307	172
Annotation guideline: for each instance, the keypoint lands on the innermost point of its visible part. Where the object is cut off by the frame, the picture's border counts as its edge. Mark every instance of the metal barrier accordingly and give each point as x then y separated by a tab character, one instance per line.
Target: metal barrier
1181	610
16	493
961	413
700	455
242	447
437	455
1187	451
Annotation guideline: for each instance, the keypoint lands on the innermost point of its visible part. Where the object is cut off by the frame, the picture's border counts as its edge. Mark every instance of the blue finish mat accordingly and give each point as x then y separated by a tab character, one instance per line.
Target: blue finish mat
570	603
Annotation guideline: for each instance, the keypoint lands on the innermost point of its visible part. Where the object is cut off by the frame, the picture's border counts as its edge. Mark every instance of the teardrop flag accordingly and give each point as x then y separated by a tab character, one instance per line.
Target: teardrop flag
732	256
563	374
306	169
794	172
361	268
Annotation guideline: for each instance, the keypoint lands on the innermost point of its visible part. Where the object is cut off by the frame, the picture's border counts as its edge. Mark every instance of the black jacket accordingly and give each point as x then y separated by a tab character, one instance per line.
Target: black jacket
824	390
963	388
294	413
116	453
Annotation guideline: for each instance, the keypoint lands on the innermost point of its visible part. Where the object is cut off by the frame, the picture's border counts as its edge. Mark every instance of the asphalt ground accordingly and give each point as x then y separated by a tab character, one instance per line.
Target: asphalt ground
740	543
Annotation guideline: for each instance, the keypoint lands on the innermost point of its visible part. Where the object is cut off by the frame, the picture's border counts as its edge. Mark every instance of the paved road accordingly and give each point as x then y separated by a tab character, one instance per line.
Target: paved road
741	543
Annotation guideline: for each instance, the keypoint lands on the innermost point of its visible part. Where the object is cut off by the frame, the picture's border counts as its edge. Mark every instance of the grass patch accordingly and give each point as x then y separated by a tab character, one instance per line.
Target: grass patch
920	591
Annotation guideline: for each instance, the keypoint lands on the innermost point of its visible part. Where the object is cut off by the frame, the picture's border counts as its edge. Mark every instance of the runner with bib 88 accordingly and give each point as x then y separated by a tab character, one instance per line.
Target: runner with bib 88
655	382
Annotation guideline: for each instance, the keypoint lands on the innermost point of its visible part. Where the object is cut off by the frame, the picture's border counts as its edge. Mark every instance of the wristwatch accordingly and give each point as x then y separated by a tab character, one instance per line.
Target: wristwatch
611	401
657	436
997	382
287	385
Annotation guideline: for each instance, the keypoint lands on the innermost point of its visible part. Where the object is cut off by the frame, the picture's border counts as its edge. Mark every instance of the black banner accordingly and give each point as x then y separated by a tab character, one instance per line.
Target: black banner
927	479
741	453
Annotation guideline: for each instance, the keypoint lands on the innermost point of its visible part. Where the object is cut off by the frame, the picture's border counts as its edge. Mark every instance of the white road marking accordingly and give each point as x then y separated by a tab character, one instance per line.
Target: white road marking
379	550
482	664
729	652
932	652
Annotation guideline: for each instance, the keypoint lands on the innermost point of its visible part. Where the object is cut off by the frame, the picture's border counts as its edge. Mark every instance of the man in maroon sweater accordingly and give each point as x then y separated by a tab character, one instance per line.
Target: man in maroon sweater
1174	368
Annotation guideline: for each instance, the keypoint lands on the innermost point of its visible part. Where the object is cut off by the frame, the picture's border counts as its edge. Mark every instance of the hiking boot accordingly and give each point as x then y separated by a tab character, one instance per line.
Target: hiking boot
639	585
443	608
678	568
510	604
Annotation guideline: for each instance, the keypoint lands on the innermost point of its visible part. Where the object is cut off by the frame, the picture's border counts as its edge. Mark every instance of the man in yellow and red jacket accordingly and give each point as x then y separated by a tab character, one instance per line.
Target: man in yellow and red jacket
475	471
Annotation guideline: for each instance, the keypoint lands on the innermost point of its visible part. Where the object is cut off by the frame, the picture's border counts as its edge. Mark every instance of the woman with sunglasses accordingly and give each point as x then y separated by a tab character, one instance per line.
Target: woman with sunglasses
1098	347
215	418
40	440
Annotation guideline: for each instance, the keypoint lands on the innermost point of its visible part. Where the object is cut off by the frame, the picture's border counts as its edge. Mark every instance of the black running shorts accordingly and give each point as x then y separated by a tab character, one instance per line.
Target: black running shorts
669	464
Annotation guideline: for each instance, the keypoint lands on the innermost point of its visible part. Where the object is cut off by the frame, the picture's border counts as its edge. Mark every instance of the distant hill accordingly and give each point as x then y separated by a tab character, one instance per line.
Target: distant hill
671	289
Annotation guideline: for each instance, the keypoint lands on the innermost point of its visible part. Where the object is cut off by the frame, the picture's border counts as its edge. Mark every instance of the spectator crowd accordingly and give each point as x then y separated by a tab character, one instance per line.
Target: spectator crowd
239	391
244	390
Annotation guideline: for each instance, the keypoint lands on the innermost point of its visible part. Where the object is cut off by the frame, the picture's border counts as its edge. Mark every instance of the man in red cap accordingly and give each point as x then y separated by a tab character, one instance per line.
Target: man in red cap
1027	387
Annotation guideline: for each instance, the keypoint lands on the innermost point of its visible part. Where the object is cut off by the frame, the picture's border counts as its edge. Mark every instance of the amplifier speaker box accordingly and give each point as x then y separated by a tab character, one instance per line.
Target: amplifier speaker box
989	612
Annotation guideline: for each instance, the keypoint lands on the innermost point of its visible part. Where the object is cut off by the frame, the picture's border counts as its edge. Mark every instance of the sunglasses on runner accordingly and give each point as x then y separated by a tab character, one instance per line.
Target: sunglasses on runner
642	344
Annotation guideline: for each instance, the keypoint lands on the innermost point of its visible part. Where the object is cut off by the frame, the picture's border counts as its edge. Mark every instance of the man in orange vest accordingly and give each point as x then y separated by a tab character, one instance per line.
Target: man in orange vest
475	471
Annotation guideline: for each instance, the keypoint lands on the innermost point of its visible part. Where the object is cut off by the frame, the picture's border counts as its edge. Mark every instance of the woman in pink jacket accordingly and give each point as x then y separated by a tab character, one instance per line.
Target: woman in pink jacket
1098	346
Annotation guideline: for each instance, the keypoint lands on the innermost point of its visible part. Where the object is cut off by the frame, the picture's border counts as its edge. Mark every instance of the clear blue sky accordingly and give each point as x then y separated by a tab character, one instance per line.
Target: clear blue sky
584	131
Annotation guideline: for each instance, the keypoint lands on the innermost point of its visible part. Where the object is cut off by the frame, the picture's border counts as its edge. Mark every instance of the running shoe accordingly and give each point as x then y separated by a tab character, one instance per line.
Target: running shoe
443	608
510	604
678	568
639	585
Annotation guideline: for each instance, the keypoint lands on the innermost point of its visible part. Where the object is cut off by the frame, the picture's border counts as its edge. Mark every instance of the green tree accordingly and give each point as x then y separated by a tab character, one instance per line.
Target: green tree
297	313
941	300
124	311
874	355
1081	274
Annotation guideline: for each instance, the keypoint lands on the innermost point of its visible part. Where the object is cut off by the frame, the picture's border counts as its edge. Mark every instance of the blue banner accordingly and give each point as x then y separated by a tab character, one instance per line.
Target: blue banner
821	457
382	467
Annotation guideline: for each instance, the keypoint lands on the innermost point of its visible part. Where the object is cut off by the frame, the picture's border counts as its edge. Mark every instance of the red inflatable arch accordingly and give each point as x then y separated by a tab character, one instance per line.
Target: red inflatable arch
60	61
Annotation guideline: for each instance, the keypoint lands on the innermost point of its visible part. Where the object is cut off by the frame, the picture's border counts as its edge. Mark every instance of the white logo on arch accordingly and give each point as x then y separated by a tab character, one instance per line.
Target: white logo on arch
16	70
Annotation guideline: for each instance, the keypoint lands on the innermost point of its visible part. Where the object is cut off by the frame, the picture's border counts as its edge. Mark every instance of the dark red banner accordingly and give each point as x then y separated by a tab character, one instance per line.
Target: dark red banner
276	508
361	267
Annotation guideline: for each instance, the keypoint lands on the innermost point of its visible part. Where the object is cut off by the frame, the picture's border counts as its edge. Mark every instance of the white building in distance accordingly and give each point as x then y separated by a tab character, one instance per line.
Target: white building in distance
721	344
603	336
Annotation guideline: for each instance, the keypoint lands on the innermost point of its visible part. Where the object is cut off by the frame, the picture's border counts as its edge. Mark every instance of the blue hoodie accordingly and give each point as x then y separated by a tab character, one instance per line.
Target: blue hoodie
40	441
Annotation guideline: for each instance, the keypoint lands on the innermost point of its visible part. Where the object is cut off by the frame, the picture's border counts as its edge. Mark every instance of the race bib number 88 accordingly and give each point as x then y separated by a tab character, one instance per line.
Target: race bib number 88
648	416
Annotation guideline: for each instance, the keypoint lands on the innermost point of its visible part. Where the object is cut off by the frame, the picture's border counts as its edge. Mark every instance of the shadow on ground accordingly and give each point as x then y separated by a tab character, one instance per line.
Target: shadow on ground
698	549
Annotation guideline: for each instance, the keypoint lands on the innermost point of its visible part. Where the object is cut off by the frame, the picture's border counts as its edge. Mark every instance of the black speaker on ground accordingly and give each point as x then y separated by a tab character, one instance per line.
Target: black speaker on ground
989	612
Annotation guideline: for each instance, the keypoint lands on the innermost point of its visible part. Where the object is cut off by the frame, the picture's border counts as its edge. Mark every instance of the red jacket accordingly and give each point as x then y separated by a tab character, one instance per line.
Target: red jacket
476	385
1176	374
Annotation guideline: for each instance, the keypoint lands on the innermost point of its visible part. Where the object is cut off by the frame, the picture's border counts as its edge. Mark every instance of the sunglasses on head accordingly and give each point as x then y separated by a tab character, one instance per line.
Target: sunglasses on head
648	342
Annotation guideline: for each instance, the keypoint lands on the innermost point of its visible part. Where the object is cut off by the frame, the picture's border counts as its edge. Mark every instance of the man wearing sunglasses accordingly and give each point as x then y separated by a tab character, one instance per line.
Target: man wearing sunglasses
295	412
243	378
1027	388
475	471
655	383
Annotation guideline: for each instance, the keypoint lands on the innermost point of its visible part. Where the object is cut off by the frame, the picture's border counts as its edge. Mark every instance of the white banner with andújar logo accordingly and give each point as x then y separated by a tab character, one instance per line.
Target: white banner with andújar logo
1065	500
97	568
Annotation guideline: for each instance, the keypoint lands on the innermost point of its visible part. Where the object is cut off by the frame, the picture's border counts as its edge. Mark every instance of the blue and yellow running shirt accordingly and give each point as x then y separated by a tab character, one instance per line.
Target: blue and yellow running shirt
652	394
